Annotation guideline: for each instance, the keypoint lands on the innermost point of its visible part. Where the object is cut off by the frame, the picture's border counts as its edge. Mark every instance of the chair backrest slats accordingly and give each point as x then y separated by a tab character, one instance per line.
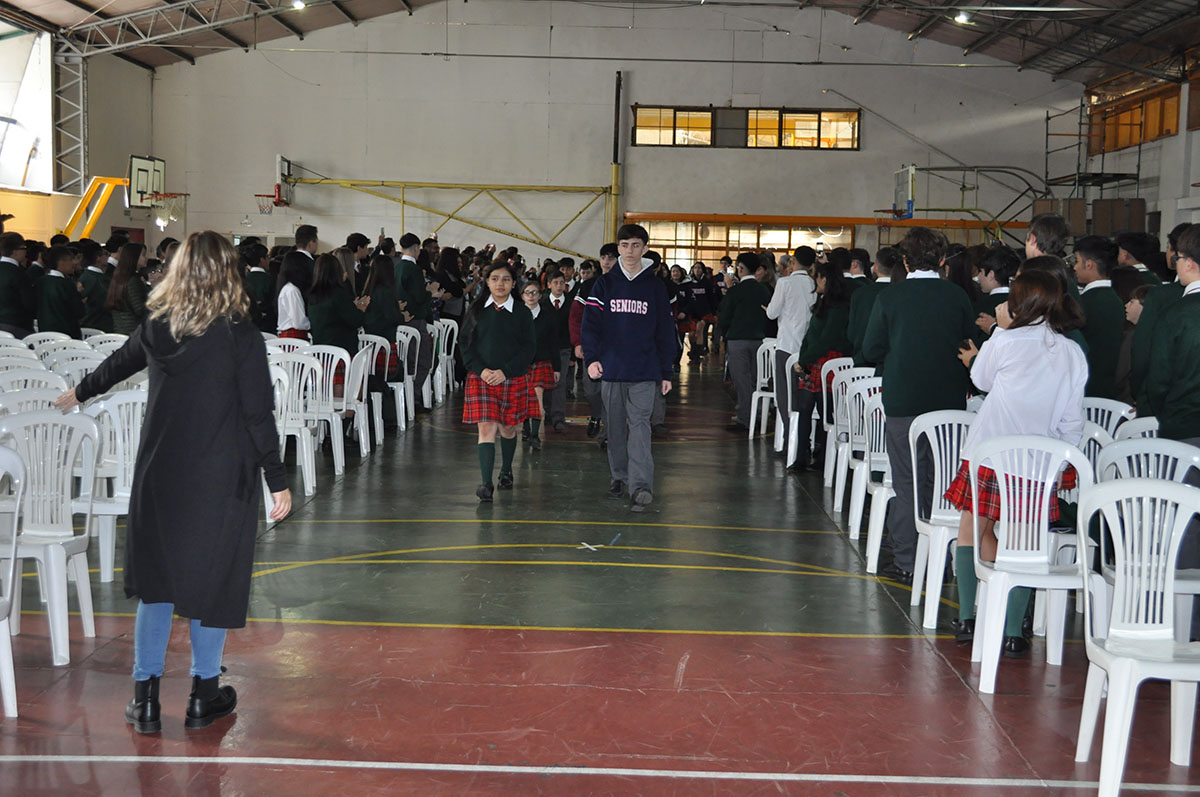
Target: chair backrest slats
944	432
51	445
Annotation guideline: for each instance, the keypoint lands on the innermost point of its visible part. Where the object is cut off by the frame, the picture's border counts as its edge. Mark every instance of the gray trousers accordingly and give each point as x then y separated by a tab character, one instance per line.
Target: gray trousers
627	407
556	409
424	352
901	514
741	356
787	387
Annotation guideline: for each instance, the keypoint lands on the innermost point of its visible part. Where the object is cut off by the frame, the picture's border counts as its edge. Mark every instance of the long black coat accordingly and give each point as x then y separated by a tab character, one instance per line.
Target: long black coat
209	428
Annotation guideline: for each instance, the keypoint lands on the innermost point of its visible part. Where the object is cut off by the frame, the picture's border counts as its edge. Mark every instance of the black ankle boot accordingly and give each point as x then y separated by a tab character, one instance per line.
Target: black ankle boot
143	712
209	702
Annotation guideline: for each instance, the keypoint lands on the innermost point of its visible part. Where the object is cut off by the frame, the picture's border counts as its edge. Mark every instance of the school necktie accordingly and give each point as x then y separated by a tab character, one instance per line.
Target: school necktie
556	302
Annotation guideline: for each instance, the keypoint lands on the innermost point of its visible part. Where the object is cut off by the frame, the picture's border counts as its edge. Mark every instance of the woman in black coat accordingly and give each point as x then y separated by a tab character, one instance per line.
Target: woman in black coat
209	429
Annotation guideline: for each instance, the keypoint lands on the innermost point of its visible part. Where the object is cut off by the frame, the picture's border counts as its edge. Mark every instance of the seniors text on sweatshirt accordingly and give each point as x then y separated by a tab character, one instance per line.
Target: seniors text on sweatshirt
627	326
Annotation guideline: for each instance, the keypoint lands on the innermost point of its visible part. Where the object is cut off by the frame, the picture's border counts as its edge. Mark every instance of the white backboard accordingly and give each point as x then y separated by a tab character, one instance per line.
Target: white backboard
146	175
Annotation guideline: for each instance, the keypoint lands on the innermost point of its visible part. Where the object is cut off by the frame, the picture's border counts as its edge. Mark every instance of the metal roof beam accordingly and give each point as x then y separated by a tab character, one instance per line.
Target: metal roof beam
1068	43
866	11
353	20
932	20
98	14
273	11
1123	41
407	5
229	37
1007	28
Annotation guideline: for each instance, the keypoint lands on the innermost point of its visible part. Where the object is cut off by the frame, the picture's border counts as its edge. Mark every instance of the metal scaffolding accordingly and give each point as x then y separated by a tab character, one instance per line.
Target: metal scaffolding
70	119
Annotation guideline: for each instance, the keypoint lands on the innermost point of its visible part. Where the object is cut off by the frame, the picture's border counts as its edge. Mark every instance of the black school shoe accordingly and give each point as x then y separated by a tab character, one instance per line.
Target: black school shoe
897	573
616	489
505	482
1016	647
593	427
209	702
964	630
484	493
535	442
143	711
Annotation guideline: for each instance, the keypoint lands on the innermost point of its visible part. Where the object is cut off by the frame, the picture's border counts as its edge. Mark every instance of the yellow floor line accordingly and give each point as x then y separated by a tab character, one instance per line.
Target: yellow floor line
474	521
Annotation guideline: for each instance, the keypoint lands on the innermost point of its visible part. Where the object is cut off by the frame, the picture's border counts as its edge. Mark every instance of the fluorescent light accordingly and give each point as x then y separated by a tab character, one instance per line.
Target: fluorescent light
297	4
962	17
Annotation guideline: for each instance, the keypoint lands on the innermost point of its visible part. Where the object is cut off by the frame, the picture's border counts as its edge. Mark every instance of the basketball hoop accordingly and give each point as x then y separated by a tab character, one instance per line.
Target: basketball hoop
168	208
266	203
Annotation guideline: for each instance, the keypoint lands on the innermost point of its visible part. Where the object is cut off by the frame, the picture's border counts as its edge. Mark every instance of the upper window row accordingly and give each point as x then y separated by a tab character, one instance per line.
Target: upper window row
745	127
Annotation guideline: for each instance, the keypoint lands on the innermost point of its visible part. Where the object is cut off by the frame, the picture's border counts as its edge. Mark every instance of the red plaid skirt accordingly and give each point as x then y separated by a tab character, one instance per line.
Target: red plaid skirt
811	381
959	491
393	363
339	375
508	403
298	334
541	375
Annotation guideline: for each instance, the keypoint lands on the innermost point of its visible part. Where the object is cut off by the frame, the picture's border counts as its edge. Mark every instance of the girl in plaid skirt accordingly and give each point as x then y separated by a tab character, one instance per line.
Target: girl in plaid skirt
1034	377
498	346
541	376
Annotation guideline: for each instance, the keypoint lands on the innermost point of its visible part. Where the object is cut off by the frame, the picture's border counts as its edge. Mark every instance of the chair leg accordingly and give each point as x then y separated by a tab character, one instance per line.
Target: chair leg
1183	617
879	502
56	604
1056	626
858	496
377	416
1183	717
338	442
108	546
779	438
936	569
398	395
308	459
1093	693
993	612
754	401
830	455
14	612
919	566
410	396
83	590
1039	612
8	676
765	415
1118	720
793	442
839	476
362	424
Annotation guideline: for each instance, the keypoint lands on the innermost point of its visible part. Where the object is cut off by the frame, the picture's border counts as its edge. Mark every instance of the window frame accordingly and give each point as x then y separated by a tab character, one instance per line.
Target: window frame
781	111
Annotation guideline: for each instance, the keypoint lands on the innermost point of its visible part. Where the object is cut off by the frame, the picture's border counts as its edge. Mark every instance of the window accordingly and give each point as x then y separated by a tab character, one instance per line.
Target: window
751	128
1133	121
683	242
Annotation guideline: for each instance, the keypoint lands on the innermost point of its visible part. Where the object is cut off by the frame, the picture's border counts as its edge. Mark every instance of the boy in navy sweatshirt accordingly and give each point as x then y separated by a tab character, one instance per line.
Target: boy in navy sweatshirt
629	343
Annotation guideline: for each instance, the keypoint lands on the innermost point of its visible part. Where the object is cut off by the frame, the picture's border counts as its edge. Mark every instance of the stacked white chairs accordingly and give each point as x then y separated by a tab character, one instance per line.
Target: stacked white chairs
49	348
119	416
7	335
73	364
91	332
38	338
287	344
407	337
1138	427
1107	413
299	413
445	333
881	491
861	445
109	346
12	470
357	398
379	346
858	390
944	432
1027	470
269	336
20	363
279	392
19	401
829	370
792	414
139	381
32	378
764	395
57	444
13	347
107	337
450	346
838	438
1147	520
329	407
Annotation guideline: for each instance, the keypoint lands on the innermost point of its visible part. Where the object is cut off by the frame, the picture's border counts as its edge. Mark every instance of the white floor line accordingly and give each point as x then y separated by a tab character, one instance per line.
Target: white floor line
620	772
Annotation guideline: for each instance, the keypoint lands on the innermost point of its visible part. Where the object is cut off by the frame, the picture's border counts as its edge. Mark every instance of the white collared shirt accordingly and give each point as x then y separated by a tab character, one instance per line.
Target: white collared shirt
884	280
311	256
55	273
1034	379
1096	284
112	261
858	276
535	311
747	277
999	291
408	258
292	312
560	299
10	260
646	263
1194	287
792	305
96	269
1140	266
924	275
257	269
508	303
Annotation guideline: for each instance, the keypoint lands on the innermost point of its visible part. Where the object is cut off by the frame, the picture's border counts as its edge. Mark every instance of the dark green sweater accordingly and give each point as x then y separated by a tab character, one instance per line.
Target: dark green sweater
264	307
59	306
546	329
1150	278
16	296
742	316
1105	316
862	302
335	321
501	340
95	294
1172	386
383	314
826	333
1158	301
915	331
410	288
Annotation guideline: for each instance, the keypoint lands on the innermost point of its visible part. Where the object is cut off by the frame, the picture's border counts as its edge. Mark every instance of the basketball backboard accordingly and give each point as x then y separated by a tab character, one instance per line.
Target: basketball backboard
146	175
903	203
284	188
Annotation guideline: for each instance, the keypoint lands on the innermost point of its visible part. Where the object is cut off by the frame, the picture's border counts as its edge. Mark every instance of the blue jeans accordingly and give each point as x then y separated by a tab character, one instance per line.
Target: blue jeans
152	632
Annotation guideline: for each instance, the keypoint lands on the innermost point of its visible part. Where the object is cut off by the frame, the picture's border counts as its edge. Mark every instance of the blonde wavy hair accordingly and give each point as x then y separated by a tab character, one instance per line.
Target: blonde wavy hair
203	284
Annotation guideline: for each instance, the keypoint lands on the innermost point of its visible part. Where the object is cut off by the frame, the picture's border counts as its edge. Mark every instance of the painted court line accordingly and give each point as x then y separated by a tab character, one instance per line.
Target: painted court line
618	772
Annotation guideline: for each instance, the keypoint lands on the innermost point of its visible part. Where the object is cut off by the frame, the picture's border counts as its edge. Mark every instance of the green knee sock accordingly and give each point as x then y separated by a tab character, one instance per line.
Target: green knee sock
535	424
487	460
508	447
964	567
1018	601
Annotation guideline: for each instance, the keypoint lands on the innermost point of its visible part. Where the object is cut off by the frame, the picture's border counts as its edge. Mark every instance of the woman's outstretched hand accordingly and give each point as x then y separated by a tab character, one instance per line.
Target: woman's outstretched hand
283	505
67	401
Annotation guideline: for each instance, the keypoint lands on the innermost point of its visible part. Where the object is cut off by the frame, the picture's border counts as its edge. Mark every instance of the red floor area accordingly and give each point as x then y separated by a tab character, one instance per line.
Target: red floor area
692	703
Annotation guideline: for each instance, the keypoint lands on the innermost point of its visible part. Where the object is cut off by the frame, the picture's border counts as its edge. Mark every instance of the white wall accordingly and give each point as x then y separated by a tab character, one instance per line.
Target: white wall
26	154
120	121
363	102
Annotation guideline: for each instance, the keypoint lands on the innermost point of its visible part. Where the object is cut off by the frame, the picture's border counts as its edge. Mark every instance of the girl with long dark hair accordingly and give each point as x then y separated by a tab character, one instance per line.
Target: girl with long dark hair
127	292
383	314
449	277
291	305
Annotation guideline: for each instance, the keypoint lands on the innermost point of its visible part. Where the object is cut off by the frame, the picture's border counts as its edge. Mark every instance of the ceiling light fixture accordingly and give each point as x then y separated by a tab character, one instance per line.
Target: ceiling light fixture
297	4
962	17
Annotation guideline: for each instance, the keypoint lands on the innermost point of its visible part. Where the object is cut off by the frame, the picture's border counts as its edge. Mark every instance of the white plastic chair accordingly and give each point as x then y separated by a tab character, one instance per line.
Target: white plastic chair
286	344
106	337
139	381
90	332
764	394
75	365
1027	468
449	346
1107	413
299	414
945	431
839	437
56	443
38	338
123	414
17	401
975	403
860	394
12	470
329	408
834	367
21	363
854	403
443	372
357	398
1147	521
19	352
7	335
269	336
1138	427
378	346
49	348
881	491
108	347
406	337
279	391
31	379
793	416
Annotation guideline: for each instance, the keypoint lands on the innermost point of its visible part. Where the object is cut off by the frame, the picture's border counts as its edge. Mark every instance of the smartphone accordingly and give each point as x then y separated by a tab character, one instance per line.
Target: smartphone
820	247
381	233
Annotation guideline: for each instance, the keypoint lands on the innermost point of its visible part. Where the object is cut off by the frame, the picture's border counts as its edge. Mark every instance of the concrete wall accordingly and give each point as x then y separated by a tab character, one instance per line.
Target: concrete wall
527	97
26	156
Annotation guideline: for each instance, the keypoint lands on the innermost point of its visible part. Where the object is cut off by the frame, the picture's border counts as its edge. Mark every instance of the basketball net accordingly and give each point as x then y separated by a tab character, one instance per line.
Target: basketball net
170	207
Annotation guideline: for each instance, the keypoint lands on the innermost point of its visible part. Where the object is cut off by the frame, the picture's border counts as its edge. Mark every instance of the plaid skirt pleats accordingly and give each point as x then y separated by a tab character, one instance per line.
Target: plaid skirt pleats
508	403
959	491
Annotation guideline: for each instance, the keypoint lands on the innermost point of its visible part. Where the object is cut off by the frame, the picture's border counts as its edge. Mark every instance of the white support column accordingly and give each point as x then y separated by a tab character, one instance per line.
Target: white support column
70	119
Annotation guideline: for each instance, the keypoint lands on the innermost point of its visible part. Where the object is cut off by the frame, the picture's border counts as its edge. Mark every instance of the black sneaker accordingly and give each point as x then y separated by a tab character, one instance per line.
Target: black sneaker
535	443
1016	647
505	482
593	427
640	500
897	573
484	493
525	432
616	489
964	630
